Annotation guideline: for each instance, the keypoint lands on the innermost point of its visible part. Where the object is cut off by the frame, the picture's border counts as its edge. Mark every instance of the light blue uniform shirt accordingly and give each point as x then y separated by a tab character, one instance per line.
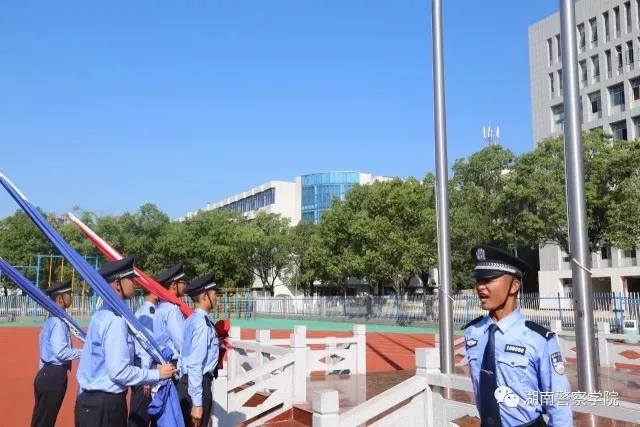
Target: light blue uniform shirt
200	348
55	343
168	326
530	370
106	363
145	314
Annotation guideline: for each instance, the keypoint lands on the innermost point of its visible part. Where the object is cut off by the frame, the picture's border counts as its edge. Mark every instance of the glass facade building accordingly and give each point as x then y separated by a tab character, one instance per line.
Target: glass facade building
256	201
319	190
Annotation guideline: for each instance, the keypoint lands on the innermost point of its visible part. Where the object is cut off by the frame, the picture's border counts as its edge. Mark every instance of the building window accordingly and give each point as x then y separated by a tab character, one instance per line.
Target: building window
604	252
593	25
558	115
550	50
253	202
630	53
605	17
638	9
635	88
595	63
619	130
559	47
596	103
582	39
619	57
629	253
607	56
616	20
583	72
560	81
552	85
636	122
617	94
627	15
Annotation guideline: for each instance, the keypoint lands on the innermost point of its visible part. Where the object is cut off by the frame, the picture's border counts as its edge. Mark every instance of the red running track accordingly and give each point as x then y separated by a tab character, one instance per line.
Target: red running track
19	365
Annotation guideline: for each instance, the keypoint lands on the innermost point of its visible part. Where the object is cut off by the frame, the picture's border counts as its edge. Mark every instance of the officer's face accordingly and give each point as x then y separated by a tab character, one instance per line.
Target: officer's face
128	288
493	292
180	287
66	298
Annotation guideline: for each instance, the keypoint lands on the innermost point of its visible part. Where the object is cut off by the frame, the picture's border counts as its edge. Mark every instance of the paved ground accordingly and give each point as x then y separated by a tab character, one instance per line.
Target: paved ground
388	349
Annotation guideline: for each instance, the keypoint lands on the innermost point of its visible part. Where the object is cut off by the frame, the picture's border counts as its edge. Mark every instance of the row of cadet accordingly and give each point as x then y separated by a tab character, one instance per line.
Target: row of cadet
112	360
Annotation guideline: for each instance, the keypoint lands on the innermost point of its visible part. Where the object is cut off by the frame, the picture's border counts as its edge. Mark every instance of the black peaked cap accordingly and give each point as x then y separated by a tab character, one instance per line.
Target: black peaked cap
493	262
202	284
171	275
59	288
120	269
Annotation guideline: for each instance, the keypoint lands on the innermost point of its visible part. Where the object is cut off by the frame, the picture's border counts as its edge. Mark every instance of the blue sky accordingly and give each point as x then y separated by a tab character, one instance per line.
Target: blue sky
110	105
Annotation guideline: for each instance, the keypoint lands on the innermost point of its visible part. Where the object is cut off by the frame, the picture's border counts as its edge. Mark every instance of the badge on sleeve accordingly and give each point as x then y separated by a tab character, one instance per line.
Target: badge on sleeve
471	343
557	362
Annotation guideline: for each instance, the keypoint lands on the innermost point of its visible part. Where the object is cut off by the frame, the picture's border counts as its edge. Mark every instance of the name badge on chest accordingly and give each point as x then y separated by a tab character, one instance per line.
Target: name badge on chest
510	348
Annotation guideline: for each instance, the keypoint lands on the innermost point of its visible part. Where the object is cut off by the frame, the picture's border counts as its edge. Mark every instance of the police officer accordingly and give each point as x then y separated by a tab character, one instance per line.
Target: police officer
200	348
56	354
141	394
168	323
106	367
516	367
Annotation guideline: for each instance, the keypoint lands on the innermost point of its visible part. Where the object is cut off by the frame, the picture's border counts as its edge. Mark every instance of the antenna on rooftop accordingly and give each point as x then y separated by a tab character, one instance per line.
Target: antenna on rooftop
491	136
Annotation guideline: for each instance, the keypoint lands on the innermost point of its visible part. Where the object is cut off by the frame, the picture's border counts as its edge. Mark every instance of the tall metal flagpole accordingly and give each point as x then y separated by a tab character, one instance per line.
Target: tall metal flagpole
588	380
442	196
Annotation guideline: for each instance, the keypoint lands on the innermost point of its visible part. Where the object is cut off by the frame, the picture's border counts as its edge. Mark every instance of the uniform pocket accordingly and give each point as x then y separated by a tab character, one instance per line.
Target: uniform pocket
514	367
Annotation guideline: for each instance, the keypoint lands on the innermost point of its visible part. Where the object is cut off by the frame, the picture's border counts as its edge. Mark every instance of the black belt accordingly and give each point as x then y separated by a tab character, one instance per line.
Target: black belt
104	392
66	365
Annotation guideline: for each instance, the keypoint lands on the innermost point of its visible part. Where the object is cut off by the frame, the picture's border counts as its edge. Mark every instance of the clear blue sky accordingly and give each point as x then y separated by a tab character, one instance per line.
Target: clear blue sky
113	104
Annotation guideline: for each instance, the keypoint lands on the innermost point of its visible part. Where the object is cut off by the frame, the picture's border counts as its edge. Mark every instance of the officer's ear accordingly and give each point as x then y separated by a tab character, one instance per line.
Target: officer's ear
516	285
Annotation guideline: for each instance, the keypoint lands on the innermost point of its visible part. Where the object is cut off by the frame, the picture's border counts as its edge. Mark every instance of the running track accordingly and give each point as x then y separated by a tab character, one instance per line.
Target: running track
19	365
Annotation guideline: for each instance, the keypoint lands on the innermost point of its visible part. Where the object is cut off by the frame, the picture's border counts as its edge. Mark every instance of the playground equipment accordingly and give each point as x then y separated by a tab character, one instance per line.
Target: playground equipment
41	261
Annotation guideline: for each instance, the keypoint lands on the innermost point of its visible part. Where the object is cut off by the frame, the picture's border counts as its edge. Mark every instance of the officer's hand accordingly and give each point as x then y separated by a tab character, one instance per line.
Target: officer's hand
146	390
196	416
166	371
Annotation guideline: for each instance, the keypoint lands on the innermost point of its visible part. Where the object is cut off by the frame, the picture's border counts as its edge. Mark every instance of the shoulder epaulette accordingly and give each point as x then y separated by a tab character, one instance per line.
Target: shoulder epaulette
473	322
152	310
535	327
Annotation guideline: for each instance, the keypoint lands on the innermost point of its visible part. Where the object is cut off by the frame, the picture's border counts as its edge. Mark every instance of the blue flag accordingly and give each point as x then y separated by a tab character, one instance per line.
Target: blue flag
101	287
41	298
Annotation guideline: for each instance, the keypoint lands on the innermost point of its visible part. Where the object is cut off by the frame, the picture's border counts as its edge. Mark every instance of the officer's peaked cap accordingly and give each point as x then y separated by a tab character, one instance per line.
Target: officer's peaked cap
202	284
171	275
120	269
493	262
59	288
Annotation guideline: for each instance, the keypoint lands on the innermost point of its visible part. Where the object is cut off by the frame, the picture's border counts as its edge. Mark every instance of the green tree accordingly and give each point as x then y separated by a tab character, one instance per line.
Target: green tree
267	245
537	191
302	270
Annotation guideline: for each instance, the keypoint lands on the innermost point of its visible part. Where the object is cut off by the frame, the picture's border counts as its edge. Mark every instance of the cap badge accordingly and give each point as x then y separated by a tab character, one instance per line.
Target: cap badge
480	254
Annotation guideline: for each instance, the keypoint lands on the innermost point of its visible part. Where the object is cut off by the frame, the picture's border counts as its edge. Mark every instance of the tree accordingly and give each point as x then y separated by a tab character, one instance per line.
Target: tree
267	244
210	242
537	191
302	270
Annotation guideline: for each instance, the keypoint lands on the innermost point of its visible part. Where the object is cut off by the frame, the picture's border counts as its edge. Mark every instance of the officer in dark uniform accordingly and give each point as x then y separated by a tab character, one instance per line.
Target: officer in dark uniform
200	350
517	369
56	355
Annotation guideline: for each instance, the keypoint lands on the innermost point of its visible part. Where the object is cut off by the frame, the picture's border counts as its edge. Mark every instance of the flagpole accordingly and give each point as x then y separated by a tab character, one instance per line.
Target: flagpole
588	380
445	312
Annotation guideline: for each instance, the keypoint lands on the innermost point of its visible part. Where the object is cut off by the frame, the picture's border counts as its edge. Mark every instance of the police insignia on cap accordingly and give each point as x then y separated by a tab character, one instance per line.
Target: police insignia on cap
558	363
480	254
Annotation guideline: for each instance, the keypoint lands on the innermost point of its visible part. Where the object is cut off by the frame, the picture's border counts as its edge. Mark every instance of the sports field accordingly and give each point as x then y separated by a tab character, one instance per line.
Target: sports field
389	348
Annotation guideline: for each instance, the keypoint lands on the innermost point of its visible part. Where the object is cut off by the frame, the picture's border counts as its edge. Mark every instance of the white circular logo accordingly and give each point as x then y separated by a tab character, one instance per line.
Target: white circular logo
480	254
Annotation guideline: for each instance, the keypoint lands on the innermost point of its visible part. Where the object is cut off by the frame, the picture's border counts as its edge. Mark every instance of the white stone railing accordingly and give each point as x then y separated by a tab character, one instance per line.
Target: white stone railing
346	355
609	351
425	406
275	376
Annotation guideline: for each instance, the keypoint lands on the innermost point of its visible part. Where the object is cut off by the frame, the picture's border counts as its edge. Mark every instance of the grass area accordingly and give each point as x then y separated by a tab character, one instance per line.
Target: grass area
287	324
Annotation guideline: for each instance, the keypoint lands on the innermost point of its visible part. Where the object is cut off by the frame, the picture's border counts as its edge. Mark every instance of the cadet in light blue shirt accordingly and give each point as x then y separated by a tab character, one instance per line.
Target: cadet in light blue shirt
517	369
141	394
56	354
200	349
168	323
106	368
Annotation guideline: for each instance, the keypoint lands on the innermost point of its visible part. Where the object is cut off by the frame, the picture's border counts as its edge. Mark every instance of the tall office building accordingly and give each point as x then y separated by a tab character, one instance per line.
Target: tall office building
608	34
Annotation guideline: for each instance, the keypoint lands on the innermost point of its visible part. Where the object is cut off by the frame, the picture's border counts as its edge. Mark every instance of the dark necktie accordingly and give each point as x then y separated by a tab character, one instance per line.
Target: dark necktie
489	407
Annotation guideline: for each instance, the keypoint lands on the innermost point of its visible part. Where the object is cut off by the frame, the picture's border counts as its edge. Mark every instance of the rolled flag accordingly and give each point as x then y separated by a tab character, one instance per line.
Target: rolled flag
144	280
41	298
102	288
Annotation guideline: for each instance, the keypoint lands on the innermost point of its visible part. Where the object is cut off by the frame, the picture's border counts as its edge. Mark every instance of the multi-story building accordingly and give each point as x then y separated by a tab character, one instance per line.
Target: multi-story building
608	35
307	197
